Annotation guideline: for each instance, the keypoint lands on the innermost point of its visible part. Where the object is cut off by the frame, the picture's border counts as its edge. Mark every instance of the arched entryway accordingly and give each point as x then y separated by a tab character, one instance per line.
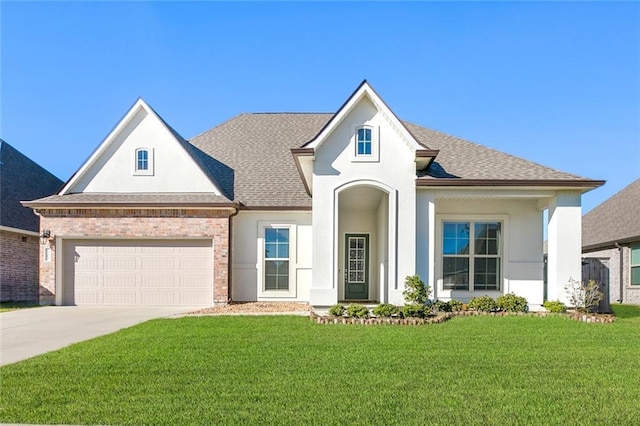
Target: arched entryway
363	242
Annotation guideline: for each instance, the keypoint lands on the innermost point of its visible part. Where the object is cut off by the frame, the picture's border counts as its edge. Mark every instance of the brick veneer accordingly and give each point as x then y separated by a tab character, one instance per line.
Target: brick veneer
18	267
138	223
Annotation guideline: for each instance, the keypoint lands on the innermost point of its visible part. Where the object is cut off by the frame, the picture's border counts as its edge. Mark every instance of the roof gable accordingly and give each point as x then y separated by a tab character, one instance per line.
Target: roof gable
364	91
21	179
110	168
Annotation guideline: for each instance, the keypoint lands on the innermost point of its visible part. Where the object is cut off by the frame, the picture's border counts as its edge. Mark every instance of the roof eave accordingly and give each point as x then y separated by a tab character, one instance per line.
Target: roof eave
586	184
122	205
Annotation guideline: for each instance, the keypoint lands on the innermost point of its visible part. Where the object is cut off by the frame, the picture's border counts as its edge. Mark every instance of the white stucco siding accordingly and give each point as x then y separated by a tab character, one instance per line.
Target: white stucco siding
173	170
394	173
522	257
246	255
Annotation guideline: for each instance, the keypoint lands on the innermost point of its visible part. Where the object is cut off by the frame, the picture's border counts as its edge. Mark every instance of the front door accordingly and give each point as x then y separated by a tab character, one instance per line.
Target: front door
356	267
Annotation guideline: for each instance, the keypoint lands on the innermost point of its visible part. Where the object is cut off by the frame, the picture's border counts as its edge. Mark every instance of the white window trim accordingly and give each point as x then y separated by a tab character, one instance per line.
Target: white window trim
150	162
374	157
262	292
504	259
633	265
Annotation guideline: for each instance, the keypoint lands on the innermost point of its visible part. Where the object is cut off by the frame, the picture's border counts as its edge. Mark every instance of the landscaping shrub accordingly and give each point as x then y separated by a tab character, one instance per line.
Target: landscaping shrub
414	311
512	303
483	304
442	306
385	310
555	306
585	297
337	310
456	305
416	291
356	310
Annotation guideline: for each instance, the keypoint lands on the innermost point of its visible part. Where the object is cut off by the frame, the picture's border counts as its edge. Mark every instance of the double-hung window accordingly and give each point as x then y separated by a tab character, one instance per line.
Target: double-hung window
635	265
471	255
276	259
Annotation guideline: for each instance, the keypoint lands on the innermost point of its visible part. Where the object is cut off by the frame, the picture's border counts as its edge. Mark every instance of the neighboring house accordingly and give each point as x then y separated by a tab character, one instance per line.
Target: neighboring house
20	179
611	237
318	208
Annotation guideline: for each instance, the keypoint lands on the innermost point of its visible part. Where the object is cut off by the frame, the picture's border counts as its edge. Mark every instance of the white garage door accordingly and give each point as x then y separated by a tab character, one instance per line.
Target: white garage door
138	272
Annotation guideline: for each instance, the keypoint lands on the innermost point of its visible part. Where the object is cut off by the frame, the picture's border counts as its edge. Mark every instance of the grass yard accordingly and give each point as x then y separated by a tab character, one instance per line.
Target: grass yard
12	306
288	370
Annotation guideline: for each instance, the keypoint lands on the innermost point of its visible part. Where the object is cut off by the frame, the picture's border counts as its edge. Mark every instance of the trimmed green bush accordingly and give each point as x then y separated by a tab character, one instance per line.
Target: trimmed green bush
483	304
414	311
456	305
442	306
337	310
356	310
416	292
512	303
385	310
555	306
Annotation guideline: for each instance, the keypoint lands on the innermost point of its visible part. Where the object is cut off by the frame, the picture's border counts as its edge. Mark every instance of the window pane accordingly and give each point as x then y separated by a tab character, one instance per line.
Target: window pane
456	238
282	251
283	235
283	283
367	148
635	255
635	275
485	276
270	235
270	282
270	250
487	237
367	135
456	273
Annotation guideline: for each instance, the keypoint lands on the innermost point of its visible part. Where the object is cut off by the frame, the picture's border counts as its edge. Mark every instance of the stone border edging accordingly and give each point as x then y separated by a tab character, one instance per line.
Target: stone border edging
442	317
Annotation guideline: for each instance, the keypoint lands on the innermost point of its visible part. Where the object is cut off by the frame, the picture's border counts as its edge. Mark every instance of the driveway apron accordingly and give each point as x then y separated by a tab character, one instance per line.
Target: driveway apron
26	333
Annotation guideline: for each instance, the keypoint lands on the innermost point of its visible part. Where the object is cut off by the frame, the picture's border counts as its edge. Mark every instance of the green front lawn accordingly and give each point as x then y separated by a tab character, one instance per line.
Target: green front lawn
288	370
12	306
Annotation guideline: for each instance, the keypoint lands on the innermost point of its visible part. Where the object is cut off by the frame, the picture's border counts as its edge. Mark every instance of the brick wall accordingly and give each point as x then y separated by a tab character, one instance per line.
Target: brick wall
138	223
18	267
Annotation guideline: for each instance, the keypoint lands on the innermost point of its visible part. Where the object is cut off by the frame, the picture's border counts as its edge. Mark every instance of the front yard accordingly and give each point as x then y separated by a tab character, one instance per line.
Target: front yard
288	370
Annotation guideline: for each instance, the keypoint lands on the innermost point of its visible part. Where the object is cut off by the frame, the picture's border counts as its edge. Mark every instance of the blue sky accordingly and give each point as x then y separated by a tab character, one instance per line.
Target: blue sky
556	83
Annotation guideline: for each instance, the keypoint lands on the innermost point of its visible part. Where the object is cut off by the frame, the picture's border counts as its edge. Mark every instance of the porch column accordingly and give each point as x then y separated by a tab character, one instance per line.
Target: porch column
425	237
324	287
564	241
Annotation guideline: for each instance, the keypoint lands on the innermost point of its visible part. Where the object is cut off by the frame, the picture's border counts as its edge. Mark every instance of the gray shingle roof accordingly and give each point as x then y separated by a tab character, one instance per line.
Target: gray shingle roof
256	150
615	220
462	159
21	179
165	199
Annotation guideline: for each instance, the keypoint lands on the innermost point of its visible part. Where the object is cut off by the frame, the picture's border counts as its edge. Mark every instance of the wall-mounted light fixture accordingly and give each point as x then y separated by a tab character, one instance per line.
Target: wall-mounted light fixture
46	234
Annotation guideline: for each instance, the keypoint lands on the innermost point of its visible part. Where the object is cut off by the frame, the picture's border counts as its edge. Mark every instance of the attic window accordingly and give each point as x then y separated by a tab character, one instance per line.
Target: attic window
143	162
365	144
364	141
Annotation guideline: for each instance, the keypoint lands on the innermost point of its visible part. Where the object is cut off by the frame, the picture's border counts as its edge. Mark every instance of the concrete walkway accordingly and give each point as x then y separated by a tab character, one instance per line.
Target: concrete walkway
25	333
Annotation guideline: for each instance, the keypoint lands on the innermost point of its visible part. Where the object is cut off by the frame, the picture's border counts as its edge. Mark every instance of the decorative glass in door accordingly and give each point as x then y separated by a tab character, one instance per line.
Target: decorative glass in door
356	267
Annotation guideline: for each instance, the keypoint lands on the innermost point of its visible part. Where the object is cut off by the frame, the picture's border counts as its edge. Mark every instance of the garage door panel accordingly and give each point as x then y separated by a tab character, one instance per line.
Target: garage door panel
157	281
147	272
193	281
119	281
194	264
119	298
190	297
119	264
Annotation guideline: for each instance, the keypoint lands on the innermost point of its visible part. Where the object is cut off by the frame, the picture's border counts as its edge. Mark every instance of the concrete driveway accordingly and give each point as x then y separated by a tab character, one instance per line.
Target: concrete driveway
26	333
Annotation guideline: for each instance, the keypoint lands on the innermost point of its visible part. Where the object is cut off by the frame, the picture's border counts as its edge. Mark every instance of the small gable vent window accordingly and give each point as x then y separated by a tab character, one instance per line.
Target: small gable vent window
364	141
143	162
366	145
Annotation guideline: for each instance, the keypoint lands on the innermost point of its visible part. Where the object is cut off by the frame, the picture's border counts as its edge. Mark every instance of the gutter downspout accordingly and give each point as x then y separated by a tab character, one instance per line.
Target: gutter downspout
230	254
620	278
